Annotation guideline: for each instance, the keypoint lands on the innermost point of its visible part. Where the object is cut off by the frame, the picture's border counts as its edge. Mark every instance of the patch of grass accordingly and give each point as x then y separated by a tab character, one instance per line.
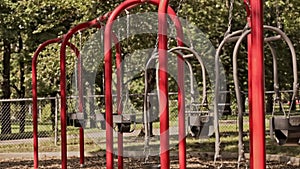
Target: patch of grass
230	144
47	146
25	135
16	148
228	129
15	127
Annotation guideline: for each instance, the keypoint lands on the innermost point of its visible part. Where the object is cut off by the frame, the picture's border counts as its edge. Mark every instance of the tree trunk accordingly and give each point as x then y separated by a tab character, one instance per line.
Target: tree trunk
53	109
227	107
269	105
91	101
22	88
22	116
243	99
292	102
5	109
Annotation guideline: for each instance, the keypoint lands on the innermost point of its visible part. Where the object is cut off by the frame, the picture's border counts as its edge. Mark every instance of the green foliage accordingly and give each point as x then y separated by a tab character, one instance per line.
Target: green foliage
38	20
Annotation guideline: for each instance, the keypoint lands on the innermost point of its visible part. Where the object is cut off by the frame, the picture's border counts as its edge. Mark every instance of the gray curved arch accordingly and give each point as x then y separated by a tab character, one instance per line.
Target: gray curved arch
179	48
275	78
235	76
217	86
275	71
294	60
175	50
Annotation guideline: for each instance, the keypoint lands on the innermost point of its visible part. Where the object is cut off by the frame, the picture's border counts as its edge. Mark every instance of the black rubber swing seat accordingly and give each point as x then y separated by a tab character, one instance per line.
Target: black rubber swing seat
76	119
200	123
151	166
123	121
286	131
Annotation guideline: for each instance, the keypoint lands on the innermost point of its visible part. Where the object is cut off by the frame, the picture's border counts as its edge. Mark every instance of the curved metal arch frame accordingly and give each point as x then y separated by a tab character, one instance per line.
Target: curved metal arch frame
194	53
165	154
191	79
275	72
34	90
294	60
217	86
176	50
80	27
228	38
63	93
277	98
284	37
202	67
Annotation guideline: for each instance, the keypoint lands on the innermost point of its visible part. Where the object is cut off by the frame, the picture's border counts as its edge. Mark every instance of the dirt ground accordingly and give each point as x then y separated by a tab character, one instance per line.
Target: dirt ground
98	162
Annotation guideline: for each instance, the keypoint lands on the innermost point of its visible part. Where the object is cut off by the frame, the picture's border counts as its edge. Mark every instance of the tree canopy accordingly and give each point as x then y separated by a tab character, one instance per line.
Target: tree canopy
26	24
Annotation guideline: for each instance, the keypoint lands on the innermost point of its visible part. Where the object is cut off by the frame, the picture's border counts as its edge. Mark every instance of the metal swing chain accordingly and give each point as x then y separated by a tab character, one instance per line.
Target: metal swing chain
127	24
177	12
171	33
278	17
80	39
179	6
76	62
80	58
188	32
155	46
230	18
147	149
279	102
290	108
171	24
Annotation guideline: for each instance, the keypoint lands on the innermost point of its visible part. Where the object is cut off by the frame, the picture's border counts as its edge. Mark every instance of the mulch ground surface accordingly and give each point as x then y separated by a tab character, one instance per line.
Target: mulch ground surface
98	162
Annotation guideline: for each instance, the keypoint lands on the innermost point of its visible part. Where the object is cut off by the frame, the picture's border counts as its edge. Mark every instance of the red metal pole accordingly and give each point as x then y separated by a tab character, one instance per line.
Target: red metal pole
119	103
80	105
181	114
80	108
108	70
80	27
34	92
256	84
108	100
249	41
63	113
63	92
249	47
181	93
163	84
35	113
34	99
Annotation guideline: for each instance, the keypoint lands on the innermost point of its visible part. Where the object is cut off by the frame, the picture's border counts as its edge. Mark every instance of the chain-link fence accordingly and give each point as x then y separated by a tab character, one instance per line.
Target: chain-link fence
16	118
16	125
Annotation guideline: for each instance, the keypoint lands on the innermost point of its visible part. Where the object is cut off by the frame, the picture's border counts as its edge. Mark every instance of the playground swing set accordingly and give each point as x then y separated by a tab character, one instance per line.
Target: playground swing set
199	117
285	129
